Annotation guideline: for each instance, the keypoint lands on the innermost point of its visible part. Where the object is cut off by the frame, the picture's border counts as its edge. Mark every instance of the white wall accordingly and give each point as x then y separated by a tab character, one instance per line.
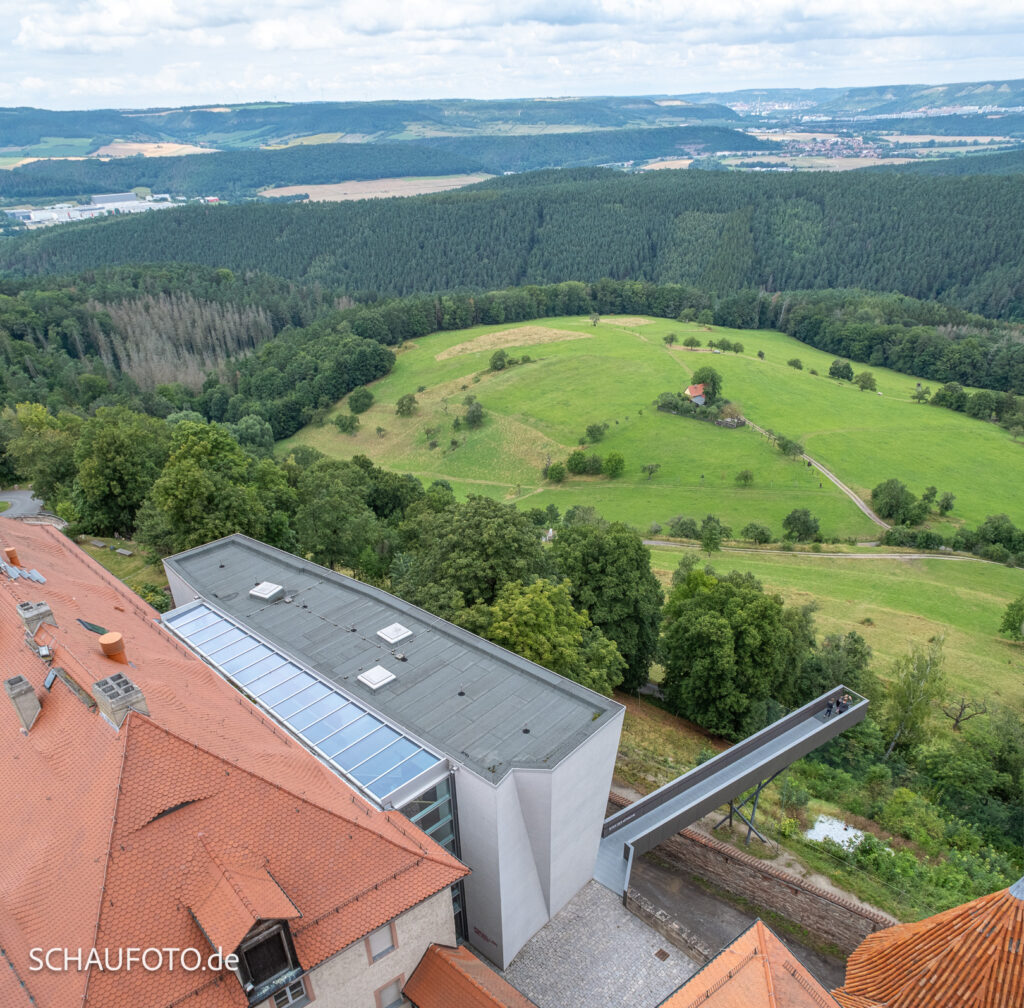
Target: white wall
349	979
531	841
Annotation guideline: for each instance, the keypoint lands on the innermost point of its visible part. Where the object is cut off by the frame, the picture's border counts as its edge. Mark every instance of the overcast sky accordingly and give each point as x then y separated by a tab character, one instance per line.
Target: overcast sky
136	53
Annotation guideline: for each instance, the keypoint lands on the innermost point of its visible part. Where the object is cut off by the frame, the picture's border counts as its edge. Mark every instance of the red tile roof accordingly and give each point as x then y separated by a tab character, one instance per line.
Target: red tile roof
971	956
454	978
694	390
110	837
755	971
228	900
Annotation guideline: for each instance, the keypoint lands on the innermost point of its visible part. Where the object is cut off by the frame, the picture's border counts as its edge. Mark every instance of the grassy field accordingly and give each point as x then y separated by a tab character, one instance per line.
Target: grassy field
61	147
134	570
865	438
611	373
892	603
581	374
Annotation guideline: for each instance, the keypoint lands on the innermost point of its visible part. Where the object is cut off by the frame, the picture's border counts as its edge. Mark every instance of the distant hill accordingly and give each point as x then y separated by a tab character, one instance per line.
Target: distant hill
235	174
1003	163
260	125
959	240
889	99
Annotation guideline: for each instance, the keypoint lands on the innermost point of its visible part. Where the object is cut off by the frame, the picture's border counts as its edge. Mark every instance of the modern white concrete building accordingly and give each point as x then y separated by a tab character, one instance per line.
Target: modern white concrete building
502	761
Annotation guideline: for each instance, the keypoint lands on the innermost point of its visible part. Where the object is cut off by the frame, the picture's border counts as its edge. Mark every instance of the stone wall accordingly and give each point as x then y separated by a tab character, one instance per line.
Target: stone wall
829	918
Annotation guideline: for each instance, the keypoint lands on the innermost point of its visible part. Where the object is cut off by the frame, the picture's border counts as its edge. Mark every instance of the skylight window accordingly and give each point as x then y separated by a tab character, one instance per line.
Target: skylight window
374	756
267	591
394	633
376	677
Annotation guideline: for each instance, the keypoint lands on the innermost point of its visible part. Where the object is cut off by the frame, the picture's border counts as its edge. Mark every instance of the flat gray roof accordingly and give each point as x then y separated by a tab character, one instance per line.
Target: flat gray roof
331	623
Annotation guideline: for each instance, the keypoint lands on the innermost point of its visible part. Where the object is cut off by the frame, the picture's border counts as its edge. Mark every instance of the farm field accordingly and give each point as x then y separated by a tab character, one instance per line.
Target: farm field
611	373
375	188
892	603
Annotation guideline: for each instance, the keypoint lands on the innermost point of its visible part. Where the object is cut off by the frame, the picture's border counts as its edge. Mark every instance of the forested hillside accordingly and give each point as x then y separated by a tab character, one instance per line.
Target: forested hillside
958	240
235	174
1003	163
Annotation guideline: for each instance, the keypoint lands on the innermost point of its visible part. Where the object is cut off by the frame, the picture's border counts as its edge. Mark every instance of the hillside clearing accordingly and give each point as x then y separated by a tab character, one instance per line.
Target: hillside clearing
611	373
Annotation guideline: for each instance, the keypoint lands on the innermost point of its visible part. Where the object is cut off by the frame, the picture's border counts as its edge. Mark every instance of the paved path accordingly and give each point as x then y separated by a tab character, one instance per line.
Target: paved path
833	478
712	919
595	954
669	544
23	504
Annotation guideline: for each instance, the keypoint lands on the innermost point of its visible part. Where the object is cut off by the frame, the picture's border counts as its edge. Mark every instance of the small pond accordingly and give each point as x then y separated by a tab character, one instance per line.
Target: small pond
830	828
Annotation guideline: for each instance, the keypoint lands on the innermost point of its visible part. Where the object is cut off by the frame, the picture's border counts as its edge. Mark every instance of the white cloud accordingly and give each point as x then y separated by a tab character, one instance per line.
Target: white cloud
117	51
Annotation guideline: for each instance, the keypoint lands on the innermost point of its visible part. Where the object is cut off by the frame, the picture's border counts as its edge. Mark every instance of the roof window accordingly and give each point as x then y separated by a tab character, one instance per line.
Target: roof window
376	677
394	633
267	591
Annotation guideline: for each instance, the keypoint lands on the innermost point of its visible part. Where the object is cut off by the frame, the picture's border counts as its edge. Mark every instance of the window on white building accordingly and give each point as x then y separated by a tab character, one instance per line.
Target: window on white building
391	995
380	943
293	996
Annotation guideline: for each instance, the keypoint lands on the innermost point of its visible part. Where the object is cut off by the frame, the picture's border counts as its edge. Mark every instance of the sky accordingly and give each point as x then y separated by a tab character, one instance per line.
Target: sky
74	54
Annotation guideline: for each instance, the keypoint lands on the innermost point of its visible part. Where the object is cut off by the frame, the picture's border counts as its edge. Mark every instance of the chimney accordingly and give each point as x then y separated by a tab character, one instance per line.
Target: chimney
116	696
26	703
112	645
34	615
11	556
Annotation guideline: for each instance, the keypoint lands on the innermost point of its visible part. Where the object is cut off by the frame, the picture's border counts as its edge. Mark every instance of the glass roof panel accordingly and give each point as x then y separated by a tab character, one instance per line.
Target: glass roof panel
371	754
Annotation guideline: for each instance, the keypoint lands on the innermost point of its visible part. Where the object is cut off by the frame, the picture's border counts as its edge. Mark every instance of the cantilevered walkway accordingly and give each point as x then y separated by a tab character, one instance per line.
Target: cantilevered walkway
751	763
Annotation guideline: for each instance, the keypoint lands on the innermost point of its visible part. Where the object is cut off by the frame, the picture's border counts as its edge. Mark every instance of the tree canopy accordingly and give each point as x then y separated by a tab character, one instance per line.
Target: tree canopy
538	621
731	651
609	570
464	554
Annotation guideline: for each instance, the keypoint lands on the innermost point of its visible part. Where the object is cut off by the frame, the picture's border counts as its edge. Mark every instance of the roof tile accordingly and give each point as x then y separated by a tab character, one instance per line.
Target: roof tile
106	831
455	978
971	956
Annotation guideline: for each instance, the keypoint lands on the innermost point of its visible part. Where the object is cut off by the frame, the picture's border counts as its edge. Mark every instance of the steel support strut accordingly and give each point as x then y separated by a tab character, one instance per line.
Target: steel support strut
734	808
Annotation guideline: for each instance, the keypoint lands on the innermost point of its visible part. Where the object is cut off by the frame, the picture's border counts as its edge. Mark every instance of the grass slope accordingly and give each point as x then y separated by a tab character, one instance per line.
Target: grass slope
612	372
865	438
892	603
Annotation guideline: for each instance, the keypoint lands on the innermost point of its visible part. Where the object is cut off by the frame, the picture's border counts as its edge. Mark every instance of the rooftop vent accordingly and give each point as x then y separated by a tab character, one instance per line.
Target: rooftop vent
376	677
34	615
394	633
116	696
11	556
112	645
267	591
26	703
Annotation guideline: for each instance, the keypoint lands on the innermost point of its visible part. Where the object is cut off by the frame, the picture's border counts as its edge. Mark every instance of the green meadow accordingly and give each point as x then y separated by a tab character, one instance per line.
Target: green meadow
611	373
892	603
61	147
865	438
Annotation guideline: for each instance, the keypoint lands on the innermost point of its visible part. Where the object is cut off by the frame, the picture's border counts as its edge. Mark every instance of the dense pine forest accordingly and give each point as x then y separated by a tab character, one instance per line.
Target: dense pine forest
956	240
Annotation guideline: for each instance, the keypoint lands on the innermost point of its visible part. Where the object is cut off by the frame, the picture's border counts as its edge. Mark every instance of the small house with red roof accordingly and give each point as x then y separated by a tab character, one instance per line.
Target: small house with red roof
696	394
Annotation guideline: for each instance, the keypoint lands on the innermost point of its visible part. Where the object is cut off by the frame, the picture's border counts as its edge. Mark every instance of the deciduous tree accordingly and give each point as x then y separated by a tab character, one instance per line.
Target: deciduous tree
609	570
538	621
916	682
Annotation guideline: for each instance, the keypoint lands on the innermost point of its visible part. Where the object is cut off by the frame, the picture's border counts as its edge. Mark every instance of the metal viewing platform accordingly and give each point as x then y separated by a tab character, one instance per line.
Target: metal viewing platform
723	779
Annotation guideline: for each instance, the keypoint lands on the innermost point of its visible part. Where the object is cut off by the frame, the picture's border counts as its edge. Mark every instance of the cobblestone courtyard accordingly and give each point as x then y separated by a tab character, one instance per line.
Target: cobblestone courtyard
595	954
